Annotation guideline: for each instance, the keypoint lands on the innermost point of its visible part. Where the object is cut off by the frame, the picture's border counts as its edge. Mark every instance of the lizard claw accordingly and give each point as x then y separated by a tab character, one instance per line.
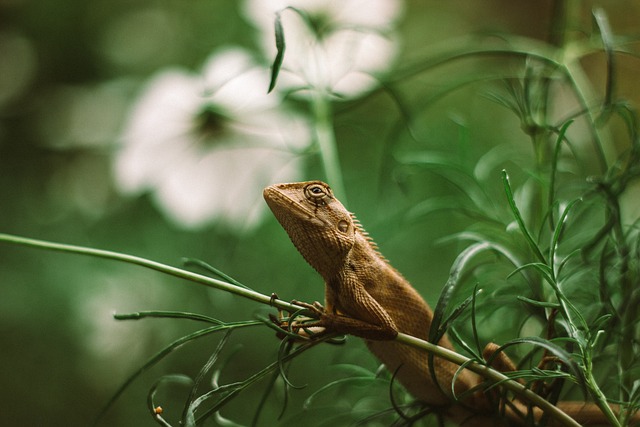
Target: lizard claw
315	308
282	326
310	327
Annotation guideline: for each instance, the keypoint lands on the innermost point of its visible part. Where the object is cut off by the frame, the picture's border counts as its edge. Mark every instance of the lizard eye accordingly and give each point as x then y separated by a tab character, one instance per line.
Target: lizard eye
317	193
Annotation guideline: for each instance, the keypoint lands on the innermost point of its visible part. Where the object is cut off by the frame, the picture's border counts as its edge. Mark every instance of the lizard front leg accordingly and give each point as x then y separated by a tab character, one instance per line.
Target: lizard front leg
352	310
333	320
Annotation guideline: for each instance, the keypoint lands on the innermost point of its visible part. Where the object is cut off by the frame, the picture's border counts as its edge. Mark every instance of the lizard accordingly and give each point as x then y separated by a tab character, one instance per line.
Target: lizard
366	297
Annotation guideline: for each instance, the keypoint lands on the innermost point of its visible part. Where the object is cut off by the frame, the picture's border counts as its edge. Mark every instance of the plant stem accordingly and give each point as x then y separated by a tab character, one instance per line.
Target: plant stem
326	140
601	400
153	265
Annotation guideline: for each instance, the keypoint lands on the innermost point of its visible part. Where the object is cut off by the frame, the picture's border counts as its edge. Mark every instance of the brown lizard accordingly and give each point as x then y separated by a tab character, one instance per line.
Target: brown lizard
366	297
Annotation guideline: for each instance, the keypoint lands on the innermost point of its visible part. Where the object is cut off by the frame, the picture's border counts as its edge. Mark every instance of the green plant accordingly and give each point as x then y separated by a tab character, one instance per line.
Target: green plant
548	236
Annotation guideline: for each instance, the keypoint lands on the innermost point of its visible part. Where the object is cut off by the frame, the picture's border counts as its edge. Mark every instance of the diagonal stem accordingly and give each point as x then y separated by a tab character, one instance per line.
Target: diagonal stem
153	265
326	140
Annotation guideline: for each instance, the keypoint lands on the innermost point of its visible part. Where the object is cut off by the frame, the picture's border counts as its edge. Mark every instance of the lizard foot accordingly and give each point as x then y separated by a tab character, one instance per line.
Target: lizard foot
329	321
314	326
316	308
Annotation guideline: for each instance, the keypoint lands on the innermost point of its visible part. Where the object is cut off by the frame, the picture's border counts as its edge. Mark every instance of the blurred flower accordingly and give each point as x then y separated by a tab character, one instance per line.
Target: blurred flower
205	145
335	46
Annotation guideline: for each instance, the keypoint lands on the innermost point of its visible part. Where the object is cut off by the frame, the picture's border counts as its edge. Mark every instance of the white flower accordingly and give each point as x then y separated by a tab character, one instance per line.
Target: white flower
205	145
337	47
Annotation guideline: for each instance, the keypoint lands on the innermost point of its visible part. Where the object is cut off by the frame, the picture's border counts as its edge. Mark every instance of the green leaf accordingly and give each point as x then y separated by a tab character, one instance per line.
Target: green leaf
169	315
350	369
535	303
448	167
186	412
449	288
211	269
519	219
474	326
607	42
554	167
557	234
456	338
366	380
439	324
152	404
156	358
281	47
554	349
284	350
542	268
222	394
226	393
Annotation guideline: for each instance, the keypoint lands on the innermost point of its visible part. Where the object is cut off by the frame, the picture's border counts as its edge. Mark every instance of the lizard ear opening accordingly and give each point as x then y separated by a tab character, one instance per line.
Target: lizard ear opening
343	226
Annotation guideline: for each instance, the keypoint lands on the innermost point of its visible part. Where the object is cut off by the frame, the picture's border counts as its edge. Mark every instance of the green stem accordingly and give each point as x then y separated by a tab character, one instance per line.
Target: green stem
153	265
326	140
601	400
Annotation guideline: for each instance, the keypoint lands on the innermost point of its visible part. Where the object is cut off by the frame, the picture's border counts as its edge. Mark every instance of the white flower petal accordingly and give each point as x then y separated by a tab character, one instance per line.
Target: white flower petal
225	65
353	42
354	84
160	126
365	13
378	14
199	175
141	166
171	97
351	51
247	92
234	82
275	130
354	58
191	191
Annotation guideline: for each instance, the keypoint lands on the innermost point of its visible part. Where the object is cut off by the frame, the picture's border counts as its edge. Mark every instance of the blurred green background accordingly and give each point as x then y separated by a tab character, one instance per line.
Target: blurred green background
69	71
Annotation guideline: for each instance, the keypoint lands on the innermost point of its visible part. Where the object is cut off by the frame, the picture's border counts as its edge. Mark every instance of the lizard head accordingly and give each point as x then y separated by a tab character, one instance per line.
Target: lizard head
319	226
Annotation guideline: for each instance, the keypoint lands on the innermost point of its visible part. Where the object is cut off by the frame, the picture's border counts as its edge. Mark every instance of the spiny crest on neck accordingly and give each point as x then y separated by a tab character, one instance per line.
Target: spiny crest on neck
373	245
360	229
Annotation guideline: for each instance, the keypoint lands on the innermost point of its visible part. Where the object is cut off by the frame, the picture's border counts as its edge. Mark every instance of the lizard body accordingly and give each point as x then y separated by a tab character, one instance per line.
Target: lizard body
365	296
